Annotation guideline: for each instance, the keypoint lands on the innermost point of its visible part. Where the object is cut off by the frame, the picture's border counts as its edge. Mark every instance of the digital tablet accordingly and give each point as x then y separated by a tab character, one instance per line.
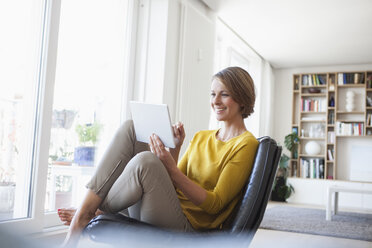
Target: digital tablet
152	118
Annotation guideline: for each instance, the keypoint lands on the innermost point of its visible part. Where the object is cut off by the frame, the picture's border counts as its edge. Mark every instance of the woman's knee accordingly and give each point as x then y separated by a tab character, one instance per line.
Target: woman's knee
146	161
126	127
147	157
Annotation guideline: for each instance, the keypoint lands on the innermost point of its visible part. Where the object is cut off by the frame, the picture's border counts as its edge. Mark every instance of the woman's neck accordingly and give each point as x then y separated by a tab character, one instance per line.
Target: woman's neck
231	130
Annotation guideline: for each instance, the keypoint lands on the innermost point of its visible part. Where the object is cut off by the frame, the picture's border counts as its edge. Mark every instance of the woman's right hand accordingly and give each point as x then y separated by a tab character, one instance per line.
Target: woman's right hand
179	134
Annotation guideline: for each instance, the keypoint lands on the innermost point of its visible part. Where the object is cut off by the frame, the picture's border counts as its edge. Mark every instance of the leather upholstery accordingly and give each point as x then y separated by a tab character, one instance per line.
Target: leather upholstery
245	219
257	193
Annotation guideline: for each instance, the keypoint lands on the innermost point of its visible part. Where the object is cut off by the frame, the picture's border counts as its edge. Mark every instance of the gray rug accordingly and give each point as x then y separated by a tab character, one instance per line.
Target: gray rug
312	221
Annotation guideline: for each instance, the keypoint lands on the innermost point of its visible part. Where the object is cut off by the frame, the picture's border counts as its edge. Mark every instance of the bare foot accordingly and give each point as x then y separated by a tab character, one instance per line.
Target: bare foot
66	214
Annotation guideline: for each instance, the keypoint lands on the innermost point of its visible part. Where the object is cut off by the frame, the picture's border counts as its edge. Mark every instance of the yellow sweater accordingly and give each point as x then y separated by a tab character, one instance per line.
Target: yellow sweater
221	168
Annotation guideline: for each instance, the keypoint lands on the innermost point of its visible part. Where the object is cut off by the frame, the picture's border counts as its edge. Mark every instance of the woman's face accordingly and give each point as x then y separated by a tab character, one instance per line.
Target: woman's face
224	106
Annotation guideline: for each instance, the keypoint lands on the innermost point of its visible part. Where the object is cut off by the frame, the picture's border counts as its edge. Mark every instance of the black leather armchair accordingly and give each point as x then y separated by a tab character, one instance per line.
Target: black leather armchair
245	219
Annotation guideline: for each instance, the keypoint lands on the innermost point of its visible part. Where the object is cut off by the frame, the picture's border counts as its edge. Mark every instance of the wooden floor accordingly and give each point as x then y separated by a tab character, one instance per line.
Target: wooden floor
278	239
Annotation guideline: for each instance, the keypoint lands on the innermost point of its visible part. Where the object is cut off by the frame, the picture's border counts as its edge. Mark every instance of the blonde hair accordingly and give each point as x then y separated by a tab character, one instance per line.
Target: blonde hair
241	87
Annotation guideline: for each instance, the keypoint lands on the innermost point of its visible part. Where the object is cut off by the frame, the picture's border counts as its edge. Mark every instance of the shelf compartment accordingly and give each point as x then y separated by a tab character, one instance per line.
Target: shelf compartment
312	138
351	86
310	156
348	136
313	95
312	112
320	121
313	86
351	112
350	121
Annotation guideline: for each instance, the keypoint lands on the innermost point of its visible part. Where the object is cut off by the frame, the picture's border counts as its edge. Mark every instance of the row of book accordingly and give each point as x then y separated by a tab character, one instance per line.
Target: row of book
369	120
356	128
314	105
331	118
313	79
312	168
331	137
350	78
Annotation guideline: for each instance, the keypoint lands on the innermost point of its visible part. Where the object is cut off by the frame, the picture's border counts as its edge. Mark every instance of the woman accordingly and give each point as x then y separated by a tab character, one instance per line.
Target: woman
197	194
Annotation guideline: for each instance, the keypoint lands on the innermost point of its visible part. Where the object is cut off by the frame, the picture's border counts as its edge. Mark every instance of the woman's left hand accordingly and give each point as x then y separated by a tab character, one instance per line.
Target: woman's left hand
157	147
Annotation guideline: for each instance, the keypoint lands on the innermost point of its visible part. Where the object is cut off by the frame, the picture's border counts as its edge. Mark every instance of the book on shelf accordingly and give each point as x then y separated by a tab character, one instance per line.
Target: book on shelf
355	129
331	137
312	168
293	170
369	119
369	81
322	80
331	118
330	155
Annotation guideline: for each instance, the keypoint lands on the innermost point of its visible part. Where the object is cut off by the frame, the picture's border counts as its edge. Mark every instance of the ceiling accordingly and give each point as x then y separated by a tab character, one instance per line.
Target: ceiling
302	33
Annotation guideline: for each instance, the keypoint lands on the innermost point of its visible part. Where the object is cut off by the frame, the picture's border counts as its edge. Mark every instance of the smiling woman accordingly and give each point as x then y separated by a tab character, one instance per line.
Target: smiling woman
232	99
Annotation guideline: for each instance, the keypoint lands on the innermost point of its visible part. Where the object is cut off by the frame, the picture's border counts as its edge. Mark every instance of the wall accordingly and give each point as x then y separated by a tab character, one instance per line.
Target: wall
310	191
187	93
175	62
232	50
174	59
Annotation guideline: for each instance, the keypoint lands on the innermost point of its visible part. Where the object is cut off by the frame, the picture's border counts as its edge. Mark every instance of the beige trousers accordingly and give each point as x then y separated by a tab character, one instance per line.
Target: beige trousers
130	177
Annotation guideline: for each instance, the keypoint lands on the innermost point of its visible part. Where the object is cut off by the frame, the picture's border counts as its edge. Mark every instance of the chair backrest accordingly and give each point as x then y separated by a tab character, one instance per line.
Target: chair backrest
257	192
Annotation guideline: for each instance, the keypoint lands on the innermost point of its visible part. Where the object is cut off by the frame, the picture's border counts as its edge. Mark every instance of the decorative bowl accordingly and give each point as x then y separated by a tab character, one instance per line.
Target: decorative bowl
314	90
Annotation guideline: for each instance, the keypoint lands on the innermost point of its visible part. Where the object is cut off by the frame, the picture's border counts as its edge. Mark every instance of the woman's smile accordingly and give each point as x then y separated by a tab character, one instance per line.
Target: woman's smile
224	106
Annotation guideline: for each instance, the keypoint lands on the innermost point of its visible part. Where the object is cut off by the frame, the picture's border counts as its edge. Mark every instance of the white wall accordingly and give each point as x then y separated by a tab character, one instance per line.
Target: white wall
174	64
231	50
174	59
313	191
189	98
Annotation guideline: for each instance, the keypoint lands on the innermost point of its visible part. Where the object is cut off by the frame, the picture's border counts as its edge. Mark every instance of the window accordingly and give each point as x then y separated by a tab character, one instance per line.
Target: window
58	103
87	95
21	24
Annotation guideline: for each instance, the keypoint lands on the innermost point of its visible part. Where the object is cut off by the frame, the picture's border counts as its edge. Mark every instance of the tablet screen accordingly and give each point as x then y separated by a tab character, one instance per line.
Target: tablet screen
152	118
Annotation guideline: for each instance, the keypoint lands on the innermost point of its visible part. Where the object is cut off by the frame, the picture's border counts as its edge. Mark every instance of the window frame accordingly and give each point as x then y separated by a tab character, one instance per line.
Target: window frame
38	219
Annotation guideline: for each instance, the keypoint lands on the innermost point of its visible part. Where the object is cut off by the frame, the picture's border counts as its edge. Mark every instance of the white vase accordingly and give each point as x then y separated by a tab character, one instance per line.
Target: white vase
312	148
350	95
350	107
